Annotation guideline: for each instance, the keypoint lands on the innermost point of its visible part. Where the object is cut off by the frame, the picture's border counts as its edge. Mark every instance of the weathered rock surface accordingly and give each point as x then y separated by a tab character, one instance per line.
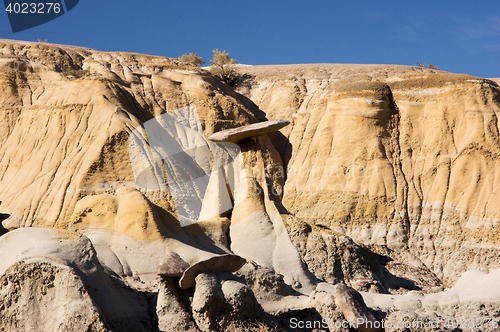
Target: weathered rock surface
386	180
394	156
71	134
56	274
31	292
334	257
352	305
172	266
324	303
235	135
131	235
470	305
170	310
228	306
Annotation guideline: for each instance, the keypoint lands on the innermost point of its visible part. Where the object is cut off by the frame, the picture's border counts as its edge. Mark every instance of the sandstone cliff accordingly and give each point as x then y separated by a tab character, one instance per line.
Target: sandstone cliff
394	156
385	180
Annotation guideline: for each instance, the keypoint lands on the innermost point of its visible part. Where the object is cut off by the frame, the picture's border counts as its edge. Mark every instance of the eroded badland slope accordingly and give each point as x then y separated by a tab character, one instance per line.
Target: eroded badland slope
394	156
386	180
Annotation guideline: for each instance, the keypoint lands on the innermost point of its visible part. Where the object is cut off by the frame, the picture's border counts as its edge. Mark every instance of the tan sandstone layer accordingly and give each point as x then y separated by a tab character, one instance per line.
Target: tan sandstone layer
88	140
67	114
397	156
385	180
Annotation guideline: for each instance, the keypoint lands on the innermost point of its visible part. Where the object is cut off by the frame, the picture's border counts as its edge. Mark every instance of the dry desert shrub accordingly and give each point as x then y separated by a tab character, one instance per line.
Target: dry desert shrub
192	58
430	66
224	68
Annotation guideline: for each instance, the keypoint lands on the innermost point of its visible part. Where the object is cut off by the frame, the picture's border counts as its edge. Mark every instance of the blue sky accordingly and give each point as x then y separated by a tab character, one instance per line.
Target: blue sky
458	36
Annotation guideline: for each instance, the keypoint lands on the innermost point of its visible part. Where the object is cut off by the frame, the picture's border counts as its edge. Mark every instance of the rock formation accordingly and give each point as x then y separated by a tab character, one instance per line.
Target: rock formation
237	134
373	203
172	266
353	307
217	264
393	156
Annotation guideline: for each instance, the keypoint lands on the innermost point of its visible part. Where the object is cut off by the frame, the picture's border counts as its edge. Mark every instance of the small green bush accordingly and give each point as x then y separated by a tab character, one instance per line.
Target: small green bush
224	68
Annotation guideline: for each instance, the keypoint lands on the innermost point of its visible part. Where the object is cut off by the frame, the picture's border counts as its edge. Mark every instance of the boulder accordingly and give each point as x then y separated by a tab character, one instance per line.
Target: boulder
172	266
324	303
352	305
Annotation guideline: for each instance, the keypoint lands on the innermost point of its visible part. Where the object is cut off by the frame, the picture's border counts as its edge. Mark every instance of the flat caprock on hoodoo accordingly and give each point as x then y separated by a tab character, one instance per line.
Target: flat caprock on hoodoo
234	135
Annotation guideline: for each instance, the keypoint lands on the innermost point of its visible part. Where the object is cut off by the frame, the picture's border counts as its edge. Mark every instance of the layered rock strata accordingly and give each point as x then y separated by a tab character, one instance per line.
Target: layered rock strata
385	181
394	156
